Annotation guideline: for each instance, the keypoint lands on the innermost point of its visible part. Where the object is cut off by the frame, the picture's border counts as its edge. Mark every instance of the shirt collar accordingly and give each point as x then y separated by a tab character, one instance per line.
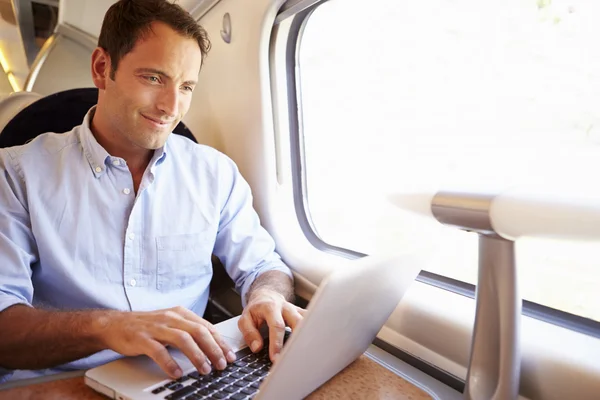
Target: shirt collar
159	156
98	157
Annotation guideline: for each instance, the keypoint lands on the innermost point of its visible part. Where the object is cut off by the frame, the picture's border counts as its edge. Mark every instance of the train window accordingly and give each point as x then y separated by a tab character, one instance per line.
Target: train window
406	95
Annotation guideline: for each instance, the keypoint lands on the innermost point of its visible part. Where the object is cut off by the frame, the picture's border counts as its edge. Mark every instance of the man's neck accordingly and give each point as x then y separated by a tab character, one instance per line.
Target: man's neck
137	159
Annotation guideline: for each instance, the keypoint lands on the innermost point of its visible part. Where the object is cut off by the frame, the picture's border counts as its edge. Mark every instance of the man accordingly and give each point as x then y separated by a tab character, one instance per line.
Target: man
106	232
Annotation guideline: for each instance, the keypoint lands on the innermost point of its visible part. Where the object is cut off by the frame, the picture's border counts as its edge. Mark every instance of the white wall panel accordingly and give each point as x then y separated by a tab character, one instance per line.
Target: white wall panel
86	15
231	108
5	87
67	66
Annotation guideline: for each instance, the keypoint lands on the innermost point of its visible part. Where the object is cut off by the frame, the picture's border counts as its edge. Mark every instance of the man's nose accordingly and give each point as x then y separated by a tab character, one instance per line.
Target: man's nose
168	102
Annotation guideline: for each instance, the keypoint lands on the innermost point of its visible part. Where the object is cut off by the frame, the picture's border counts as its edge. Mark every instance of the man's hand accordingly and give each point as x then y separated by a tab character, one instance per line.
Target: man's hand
136	333
267	305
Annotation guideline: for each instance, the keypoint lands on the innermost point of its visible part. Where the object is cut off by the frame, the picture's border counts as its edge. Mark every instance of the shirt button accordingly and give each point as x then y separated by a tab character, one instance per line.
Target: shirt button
131	236
126	191
116	163
98	169
132	282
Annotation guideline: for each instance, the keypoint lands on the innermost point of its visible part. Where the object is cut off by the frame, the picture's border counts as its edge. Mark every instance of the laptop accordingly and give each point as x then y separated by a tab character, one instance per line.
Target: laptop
343	317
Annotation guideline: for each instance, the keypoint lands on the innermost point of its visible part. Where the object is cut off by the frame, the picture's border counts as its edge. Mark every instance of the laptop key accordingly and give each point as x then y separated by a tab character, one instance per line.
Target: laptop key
199	384
249	390
241	383
181	393
255	385
195	375
219	374
219	395
243	353
158	390
227	380
230	389
250	378
238	396
176	386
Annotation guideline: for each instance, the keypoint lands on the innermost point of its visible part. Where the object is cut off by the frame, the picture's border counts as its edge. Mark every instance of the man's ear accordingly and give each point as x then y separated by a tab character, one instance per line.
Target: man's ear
100	67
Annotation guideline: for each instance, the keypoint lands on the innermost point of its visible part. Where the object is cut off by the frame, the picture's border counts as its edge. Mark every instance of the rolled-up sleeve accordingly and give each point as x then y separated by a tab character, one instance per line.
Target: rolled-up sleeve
244	247
17	245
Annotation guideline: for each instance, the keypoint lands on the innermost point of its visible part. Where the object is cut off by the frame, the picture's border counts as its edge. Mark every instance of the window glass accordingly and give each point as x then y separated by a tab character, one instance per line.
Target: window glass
411	95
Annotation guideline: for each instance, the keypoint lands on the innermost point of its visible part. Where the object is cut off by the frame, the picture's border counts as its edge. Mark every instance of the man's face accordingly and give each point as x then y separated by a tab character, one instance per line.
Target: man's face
152	88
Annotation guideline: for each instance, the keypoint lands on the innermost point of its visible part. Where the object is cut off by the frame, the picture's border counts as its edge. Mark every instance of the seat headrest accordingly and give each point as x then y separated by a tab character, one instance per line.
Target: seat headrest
59	112
11	104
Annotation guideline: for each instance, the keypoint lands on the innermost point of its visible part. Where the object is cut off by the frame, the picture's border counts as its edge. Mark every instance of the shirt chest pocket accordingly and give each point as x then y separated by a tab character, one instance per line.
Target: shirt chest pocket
183	259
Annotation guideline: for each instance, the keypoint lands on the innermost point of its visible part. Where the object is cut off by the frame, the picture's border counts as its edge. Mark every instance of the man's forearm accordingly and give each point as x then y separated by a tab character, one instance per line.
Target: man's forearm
276	281
36	339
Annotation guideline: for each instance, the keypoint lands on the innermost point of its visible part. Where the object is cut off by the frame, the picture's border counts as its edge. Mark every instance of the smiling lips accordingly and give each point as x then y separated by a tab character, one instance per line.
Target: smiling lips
157	121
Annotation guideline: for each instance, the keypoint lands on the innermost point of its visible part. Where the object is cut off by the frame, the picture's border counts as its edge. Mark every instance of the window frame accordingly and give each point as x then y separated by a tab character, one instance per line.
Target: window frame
531	309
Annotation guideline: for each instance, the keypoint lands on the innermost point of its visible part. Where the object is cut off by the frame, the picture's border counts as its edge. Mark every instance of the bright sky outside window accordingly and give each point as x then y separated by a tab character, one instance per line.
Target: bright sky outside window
438	94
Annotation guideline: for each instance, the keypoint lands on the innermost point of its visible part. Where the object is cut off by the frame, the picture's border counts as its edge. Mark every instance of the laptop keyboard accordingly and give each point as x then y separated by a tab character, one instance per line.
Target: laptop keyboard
239	381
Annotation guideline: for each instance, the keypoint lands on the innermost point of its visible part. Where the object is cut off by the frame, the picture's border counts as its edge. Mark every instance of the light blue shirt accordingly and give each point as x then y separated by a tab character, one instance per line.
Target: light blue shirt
74	235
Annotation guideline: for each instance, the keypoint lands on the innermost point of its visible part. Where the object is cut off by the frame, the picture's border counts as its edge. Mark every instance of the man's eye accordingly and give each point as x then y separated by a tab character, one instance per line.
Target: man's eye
188	88
152	79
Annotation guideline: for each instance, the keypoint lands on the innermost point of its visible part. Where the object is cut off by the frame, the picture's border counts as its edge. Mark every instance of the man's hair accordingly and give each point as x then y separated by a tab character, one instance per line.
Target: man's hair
127	21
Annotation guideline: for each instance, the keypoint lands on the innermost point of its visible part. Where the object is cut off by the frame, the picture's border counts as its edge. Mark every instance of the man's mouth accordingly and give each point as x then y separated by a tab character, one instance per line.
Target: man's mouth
157	121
